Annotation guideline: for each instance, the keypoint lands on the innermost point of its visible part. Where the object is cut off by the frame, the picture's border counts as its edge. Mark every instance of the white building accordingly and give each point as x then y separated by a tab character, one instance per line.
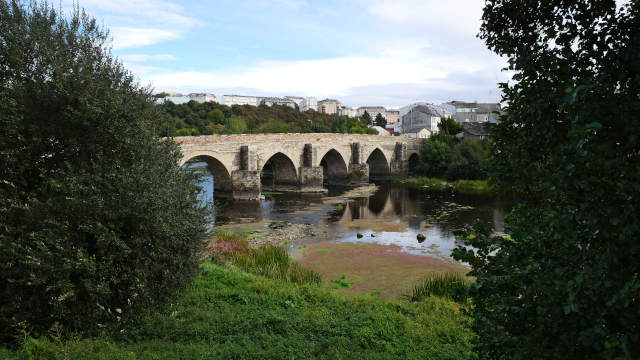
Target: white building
176	99
270	101
309	103
475	111
202	97
231	100
346	111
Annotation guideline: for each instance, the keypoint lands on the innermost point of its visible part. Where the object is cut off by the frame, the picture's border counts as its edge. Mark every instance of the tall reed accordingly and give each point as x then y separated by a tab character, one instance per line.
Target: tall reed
449	285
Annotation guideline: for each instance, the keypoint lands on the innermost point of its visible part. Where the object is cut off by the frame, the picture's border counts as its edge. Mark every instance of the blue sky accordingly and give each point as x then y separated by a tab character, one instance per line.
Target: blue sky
375	52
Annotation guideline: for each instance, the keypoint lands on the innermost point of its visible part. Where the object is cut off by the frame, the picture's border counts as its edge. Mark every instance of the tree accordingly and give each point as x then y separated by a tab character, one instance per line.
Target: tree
449	126
468	160
367	118
98	220
565	283
235	125
216	116
381	121
434	157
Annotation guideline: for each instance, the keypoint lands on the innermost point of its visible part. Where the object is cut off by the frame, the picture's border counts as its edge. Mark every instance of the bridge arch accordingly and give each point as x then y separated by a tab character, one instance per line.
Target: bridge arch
414	159
279	173
221	177
334	168
378	165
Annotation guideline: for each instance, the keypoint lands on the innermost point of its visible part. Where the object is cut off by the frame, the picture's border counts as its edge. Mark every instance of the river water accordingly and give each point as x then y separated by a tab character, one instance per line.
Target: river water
370	240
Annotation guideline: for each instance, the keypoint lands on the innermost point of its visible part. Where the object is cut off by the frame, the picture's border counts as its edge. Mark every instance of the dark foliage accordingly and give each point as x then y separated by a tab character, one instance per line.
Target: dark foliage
98	221
380	121
434	157
449	126
565	284
367	118
468	160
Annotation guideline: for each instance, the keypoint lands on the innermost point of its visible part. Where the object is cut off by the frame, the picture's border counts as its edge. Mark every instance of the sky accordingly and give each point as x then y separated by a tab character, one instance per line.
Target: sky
362	52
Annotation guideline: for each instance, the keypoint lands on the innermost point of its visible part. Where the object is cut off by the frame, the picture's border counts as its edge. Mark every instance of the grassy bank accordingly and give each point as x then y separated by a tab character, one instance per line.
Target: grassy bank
466	187
229	314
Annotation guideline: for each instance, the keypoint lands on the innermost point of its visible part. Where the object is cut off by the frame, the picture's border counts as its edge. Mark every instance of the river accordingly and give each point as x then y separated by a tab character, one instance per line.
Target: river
372	239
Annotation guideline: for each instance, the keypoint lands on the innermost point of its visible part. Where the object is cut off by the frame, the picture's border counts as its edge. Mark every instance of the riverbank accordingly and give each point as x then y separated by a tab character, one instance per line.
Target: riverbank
465	187
228	314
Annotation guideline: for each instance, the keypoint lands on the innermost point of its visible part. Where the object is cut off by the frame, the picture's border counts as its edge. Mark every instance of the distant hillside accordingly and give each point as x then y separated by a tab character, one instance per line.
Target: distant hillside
193	119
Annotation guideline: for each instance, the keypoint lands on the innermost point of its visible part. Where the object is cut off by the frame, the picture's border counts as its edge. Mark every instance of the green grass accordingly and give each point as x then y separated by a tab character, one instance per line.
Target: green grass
449	285
466	187
229	314
472	187
274	262
341	282
425	182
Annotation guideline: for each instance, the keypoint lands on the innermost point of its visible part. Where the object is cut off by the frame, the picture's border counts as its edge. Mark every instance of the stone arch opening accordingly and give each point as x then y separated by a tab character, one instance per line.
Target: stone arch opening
334	169
378	166
221	179
279	173
414	159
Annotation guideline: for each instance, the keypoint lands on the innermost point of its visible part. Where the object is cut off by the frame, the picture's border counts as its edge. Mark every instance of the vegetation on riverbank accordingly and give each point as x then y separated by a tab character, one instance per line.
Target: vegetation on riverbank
228	314
271	261
448	285
466	187
443	155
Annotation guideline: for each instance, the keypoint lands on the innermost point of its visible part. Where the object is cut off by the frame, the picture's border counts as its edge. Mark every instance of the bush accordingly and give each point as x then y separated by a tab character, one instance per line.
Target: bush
434	157
468	160
98	220
449	285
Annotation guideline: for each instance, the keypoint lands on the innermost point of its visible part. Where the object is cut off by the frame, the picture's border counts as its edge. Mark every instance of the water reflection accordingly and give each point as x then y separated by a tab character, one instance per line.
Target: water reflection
394	214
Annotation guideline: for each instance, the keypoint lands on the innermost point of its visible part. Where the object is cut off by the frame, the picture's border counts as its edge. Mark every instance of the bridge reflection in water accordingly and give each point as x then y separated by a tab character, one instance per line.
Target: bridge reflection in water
395	214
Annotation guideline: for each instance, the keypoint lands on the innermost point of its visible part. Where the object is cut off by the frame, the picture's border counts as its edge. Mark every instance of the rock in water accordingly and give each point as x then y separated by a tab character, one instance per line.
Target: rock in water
374	234
421	237
359	235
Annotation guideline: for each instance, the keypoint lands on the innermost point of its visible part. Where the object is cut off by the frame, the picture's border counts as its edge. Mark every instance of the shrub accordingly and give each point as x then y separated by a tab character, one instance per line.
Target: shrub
98	220
449	285
434	157
468	160
224	245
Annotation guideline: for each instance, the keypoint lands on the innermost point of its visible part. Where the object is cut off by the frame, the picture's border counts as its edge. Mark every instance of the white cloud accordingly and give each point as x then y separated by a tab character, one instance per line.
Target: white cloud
147	57
345	77
441	18
131	37
140	22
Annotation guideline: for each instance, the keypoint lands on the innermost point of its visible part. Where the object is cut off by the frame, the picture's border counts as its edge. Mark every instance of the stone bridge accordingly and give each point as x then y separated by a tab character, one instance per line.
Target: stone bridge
244	165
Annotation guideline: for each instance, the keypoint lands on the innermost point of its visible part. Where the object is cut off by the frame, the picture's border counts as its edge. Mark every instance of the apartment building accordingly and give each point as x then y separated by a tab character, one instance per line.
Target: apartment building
329	106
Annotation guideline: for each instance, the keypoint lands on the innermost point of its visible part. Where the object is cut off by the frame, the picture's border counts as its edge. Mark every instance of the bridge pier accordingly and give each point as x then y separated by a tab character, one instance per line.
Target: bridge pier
245	183
358	169
310	176
399	165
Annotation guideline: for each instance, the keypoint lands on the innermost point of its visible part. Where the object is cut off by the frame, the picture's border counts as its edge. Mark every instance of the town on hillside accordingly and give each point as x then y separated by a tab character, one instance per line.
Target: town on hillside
415	120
